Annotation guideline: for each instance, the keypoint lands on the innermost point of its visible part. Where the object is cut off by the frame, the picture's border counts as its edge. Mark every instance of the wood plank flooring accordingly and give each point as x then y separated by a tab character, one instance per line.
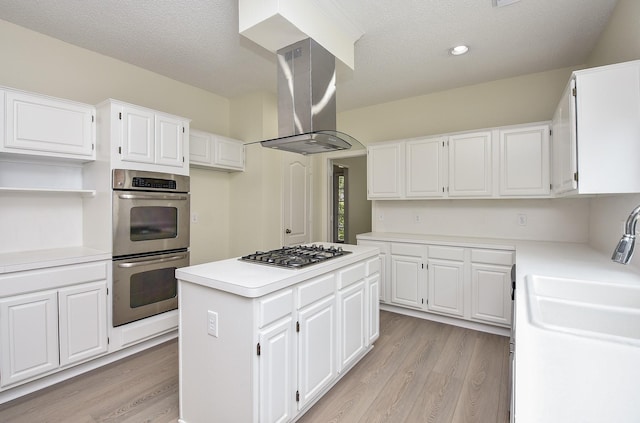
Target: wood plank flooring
418	371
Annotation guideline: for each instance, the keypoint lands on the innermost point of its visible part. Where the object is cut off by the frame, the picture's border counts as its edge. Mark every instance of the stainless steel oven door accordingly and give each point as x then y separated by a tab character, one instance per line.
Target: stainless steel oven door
146	222
145	286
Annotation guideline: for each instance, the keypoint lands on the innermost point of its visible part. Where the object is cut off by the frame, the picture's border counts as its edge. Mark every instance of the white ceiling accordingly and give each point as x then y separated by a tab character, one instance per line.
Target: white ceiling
403	53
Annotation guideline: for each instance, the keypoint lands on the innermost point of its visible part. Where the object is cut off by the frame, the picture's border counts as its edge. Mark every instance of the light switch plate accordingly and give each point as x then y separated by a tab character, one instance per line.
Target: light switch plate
212	323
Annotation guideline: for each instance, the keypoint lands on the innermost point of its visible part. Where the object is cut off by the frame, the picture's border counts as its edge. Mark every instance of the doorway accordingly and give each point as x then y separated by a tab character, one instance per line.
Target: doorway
350	211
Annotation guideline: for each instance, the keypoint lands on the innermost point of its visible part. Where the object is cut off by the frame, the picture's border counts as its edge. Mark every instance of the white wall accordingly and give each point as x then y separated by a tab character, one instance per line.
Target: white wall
547	220
38	63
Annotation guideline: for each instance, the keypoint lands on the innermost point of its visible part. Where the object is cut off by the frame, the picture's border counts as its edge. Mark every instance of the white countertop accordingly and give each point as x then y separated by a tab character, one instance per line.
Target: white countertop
561	377
254	280
39	259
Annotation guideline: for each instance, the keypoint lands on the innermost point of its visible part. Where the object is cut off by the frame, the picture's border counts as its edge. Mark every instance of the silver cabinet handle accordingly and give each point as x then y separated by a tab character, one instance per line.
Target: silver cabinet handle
153	197
147	262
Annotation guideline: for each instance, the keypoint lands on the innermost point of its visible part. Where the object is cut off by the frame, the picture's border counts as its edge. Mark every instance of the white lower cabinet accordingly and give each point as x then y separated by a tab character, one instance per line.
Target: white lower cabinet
373	289
384	259
408	275
83	321
316	349
276	381
457	281
446	287
28	335
46	330
300	340
352	305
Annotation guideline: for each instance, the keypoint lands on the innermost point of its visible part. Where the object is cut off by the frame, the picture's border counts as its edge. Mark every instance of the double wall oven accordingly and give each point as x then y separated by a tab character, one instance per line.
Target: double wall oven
150	240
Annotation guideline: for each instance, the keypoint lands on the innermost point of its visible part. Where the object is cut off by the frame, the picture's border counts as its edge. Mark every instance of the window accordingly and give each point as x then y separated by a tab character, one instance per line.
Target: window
340	203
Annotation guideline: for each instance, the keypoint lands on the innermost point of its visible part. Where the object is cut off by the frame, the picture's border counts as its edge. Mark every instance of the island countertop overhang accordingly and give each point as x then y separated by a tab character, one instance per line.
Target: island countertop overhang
254	280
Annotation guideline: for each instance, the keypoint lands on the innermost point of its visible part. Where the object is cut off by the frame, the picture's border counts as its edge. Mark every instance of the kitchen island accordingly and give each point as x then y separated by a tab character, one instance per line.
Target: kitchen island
264	343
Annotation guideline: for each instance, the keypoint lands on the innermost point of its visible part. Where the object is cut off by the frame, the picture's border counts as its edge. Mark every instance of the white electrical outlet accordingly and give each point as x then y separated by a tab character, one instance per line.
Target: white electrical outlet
522	219
417	218
194	217
381	216
212	323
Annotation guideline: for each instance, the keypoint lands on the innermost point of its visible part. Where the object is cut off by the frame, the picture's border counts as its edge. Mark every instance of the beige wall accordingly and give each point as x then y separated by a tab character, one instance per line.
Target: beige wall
619	42
35	62
527	98
256	205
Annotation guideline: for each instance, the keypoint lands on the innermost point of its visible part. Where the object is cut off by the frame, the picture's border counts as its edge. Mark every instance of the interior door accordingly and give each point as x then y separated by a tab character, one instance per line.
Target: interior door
296	196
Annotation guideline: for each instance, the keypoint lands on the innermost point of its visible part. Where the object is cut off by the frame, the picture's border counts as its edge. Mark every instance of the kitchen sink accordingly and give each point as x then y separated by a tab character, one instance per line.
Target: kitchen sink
587	308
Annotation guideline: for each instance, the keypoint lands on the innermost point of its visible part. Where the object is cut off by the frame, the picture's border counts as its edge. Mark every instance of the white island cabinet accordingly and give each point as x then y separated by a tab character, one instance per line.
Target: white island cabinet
263	344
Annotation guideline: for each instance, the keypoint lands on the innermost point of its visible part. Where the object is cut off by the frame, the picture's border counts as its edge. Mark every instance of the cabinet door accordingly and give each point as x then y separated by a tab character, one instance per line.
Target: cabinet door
491	293
425	170
564	156
229	154
276	393
169	138
316	348
200	148
524	161
28	336
83	322
138	139
352	314
446	287
384	285
40	125
470	169
608	119
385	171
373	306
407	280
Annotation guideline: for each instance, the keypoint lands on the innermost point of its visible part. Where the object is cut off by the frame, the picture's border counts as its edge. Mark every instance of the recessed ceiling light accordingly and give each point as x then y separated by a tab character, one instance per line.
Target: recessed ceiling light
458	50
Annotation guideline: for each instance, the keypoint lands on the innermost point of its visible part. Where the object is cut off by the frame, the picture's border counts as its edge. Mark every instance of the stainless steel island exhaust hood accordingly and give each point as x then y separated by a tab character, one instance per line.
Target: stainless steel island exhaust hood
307	101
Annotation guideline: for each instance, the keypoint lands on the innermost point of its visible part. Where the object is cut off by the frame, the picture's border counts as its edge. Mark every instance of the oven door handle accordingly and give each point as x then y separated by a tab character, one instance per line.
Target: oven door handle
153	197
155	261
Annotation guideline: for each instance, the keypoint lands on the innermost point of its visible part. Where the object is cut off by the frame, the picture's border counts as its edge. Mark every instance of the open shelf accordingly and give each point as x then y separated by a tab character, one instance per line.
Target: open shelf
53	191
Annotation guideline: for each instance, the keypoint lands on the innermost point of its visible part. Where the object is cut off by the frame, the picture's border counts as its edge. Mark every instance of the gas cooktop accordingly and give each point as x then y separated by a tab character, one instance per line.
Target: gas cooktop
295	257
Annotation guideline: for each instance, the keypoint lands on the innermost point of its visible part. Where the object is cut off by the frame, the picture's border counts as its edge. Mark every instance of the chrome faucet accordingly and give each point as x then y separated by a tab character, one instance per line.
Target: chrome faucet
623	252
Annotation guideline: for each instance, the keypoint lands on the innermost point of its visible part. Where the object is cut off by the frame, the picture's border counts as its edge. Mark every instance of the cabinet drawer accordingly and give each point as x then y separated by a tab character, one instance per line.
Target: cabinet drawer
51	278
446	253
316	289
407	249
373	266
351	275
275	307
492	257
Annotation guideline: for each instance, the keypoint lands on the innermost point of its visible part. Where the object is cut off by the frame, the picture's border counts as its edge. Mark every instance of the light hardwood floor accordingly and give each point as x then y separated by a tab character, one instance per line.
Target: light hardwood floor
418	371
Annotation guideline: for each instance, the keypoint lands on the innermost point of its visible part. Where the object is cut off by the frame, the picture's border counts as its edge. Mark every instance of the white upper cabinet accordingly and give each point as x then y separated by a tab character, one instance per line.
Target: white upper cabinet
565	166
385	170
524	161
470	165
138	140
38	125
216	152
606	128
426	167
505	162
170	140
144	139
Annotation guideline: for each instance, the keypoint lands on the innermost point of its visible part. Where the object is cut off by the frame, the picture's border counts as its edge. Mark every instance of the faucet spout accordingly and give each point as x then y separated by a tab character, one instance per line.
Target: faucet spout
624	250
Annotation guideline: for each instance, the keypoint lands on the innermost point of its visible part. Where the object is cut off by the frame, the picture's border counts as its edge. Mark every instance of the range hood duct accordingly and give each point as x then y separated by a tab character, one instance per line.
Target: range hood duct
307	101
